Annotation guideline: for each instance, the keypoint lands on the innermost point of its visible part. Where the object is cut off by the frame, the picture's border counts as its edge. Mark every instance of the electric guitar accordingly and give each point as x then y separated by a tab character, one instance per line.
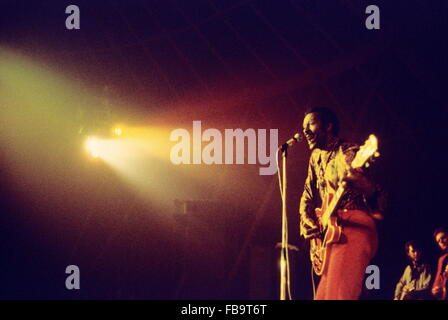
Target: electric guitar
331	231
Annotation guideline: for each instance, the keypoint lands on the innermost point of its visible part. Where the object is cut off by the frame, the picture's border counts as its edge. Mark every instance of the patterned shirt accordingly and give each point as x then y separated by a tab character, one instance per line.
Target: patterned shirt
326	170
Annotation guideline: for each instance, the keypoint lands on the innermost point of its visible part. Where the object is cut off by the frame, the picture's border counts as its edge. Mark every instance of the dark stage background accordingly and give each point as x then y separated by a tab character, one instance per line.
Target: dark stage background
198	231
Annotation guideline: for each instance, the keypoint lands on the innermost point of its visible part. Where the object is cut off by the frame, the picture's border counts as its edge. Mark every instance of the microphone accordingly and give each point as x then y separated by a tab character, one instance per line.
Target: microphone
296	138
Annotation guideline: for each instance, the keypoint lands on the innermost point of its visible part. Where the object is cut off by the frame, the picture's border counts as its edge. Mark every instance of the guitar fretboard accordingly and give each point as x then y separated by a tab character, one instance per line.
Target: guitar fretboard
332	205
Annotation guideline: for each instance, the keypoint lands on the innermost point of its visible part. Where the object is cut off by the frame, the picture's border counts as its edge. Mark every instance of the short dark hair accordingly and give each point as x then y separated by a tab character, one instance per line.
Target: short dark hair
327	116
439	230
412	243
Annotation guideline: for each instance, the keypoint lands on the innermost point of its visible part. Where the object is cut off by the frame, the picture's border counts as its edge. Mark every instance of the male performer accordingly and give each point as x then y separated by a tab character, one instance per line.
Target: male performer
328	167
414	284
439	287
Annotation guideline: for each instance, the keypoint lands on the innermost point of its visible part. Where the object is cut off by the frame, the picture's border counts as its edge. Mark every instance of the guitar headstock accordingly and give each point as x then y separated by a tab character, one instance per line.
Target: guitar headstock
367	151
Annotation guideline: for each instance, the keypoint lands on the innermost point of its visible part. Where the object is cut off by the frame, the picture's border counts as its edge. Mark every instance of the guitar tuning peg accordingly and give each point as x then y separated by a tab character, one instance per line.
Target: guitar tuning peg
367	164
376	154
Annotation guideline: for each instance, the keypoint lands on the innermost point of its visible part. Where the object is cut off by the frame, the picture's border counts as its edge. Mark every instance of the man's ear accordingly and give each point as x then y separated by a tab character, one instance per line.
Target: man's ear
330	127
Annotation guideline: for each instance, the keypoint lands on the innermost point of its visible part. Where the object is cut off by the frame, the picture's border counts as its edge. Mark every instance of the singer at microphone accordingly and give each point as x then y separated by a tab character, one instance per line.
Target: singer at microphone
296	138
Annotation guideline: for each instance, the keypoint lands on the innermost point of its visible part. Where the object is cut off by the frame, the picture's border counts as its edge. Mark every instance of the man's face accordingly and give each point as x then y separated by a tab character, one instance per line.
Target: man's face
442	240
413	254
314	131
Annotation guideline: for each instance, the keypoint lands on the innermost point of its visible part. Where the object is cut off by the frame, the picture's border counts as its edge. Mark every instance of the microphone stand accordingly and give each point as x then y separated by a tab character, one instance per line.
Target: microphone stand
284	261
283	257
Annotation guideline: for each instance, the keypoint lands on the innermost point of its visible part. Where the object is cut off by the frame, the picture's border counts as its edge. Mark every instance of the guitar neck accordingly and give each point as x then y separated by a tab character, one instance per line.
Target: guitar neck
332	205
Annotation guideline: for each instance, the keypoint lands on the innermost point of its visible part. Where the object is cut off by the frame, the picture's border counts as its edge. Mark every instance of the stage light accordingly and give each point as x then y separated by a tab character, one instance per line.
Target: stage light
118	131
92	146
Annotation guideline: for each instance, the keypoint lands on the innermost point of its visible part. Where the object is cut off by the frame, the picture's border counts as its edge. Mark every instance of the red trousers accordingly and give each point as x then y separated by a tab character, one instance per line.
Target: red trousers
348	259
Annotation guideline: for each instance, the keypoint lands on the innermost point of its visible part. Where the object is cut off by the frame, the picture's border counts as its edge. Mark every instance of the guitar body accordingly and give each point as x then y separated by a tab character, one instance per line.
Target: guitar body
319	247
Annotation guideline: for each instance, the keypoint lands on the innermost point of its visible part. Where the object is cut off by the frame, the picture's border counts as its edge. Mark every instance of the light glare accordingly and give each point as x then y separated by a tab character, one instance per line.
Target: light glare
92	147
118	131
